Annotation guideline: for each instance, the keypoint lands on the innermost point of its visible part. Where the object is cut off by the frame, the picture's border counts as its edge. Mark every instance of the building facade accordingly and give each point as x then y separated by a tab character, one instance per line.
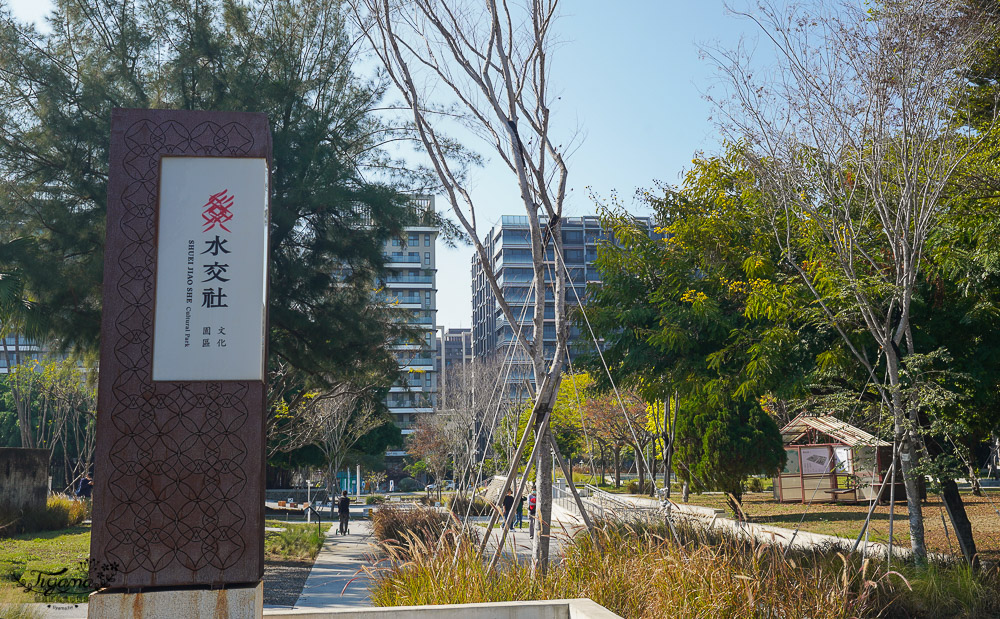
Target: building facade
16	349
410	284
509	245
455	348
454	352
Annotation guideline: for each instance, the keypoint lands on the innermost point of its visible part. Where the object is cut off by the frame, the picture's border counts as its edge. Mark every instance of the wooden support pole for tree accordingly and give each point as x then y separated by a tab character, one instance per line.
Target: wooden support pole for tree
513	467
509	519
892	496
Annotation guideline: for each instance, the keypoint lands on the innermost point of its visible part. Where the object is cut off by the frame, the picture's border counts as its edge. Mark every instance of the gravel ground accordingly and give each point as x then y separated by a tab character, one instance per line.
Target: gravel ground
283	581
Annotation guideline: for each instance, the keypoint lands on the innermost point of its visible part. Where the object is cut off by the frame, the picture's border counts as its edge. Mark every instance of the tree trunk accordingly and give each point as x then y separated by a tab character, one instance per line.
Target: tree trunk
735	500
669	463
977	488
641	457
543	482
908	457
618	467
685	491
653	470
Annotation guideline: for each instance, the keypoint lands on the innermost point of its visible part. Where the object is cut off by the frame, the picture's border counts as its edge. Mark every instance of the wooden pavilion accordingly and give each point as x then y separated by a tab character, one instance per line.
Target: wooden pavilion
830	461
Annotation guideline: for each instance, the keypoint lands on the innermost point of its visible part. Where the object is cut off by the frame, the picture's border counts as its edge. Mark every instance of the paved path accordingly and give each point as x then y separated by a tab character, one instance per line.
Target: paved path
565	526
782	536
61	611
336	568
336	579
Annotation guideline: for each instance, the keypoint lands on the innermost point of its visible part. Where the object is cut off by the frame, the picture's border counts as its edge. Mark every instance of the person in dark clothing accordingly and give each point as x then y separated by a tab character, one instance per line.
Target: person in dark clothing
86	486
508	504
520	512
344	509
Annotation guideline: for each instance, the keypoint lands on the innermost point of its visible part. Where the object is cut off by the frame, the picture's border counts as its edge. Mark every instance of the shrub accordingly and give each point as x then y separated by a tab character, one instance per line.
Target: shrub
459	505
374	499
402	531
640	571
408	484
60	512
755	484
633	487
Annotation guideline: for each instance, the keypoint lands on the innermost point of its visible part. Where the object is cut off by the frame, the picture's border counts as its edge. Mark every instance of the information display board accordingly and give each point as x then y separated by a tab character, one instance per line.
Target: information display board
210	269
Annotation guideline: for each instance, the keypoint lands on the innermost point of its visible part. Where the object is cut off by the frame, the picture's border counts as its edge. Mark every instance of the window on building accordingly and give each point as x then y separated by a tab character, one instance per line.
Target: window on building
395	242
414	239
427	240
427	258
427	298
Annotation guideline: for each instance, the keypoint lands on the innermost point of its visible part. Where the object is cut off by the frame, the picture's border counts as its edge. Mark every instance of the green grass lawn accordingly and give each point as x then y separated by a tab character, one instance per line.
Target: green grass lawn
298	542
24	557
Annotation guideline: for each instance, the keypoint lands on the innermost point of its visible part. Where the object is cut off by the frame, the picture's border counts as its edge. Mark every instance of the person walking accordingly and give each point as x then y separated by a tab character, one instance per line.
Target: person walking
508	504
532	506
344	509
520	511
85	488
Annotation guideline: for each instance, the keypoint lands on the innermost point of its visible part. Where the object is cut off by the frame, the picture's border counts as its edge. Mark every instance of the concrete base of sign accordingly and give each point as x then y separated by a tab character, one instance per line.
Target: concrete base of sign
231	603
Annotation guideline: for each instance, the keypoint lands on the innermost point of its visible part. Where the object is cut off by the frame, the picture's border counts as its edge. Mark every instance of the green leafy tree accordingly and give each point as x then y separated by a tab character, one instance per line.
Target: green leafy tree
854	138
705	309
292	61
721	447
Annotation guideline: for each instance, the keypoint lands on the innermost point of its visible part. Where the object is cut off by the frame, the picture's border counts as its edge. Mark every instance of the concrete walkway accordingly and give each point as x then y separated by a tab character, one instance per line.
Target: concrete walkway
333	583
336	579
712	518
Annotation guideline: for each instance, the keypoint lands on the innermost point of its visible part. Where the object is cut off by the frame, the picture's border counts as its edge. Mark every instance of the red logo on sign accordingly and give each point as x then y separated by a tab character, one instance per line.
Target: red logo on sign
217	211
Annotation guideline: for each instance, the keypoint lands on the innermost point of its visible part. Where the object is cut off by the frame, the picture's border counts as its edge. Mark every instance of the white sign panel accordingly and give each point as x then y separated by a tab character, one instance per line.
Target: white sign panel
843	457
211	269
816	461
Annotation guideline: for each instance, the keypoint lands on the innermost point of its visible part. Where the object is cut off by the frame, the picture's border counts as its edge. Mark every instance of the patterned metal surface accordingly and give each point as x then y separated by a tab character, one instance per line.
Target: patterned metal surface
178	496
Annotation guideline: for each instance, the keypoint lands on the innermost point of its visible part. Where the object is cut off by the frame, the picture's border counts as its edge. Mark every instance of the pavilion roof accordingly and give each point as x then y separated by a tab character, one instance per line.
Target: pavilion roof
836	429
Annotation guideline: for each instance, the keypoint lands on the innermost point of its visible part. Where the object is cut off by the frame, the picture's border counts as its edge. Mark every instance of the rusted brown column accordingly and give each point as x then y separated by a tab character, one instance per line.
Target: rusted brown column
179	473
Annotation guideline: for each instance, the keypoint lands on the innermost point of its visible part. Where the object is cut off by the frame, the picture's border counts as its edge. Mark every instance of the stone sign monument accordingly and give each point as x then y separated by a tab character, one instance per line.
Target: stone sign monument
179	468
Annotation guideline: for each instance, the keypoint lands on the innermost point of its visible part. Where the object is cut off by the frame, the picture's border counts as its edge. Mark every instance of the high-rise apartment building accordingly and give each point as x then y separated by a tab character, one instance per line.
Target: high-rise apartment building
410	284
455	348
509	245
454	352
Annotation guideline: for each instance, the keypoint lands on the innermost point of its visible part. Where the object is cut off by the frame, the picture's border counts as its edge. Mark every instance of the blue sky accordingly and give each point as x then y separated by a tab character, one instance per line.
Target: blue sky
632	85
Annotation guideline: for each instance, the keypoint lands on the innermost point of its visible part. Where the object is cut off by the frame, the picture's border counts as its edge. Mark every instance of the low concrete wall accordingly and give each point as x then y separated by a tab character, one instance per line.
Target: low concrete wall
581	608
24	478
